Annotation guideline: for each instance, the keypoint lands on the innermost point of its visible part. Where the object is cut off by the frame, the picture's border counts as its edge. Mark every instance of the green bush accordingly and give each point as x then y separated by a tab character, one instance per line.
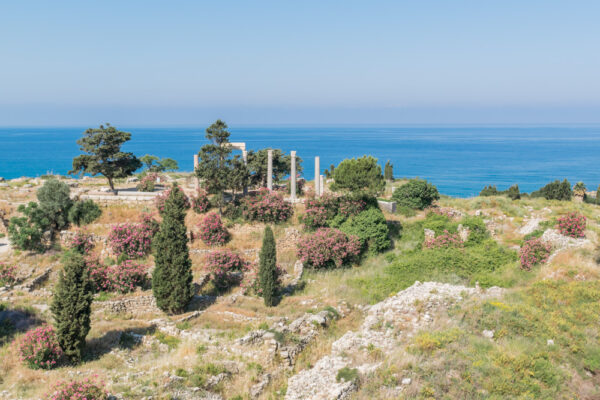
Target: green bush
439	223
477	229
84	212
512	192
359	175
371	228
489	191
416	193
555	191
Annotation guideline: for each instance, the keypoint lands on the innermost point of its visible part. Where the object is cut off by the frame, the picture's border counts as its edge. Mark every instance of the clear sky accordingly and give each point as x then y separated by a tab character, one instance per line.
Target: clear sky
271	62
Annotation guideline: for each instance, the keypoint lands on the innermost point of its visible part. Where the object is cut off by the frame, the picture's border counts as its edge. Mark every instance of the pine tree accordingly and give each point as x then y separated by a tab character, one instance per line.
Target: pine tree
172	277
267	273
72	306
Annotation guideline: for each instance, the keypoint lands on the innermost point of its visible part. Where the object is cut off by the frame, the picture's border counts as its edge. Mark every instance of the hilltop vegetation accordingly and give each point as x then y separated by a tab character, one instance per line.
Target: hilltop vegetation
268	299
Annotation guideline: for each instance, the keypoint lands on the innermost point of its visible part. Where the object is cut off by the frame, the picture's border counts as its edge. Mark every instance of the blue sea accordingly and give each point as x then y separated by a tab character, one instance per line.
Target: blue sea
459	160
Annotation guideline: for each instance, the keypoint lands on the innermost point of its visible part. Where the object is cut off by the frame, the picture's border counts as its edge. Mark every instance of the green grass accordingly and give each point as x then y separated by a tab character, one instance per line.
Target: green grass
518	362
169	340
481	260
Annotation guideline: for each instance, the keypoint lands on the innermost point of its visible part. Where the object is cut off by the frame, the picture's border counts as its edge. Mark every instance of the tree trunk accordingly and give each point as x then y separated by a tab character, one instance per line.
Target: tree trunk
112	186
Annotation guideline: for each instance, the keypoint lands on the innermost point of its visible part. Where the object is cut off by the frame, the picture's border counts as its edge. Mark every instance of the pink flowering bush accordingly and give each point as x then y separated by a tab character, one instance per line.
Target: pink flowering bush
39	348
250	284
81	242
315	215
148	182
8	274
572	224
86	389
349	207
327	248
122	278
444	240
160	199
534	251
134	240
267	206
200	202
321	209
212	231
222	266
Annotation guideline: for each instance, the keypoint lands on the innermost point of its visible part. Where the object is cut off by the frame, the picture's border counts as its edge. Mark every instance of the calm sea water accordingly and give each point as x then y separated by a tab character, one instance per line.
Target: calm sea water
459	160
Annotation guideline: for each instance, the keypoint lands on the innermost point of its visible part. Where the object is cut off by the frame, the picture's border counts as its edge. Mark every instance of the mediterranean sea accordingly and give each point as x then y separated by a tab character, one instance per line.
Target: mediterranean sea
459	160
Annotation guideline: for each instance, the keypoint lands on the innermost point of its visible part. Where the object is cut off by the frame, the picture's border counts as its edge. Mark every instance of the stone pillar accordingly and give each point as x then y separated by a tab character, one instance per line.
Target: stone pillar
321	185
317	176
270	169
245	158
196	163
293	176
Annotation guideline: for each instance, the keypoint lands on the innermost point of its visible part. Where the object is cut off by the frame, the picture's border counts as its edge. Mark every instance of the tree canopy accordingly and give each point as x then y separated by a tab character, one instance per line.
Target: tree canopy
282	166
161	165
359	175
103	155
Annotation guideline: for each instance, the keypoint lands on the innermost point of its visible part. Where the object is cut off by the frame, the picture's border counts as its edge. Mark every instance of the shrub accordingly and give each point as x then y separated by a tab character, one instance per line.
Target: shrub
200	202
148	182
160	199
572	224
212	231
81	242
359	175
55	203
579	188
72	305
533	252
84	212
371	229
416	193
39	348
444	240
133	239
513	192
477	230
222	264
267	206
122	278
489	191
350	205
555	191
328	248
321	211
8	274
86	389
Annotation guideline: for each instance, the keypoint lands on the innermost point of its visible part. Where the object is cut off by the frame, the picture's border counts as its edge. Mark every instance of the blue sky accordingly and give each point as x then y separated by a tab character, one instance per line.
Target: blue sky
274	62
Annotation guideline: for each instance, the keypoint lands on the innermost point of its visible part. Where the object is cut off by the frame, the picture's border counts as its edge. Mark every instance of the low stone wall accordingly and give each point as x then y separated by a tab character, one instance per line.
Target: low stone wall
387	206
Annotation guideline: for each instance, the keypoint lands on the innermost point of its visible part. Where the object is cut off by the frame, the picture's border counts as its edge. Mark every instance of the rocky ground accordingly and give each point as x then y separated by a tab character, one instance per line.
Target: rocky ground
320	342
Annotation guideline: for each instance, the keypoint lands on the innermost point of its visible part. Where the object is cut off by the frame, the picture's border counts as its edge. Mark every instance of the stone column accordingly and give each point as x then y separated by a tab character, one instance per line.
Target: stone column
317	176
196	163
245	158
293	176
321	185
270	169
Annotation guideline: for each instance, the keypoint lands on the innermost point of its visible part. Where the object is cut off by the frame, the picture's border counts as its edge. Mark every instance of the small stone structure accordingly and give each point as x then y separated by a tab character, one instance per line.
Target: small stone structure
387	206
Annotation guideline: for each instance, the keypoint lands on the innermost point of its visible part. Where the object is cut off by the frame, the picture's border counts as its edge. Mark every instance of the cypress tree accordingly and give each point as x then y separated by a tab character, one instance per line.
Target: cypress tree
388	171
172	277
72	306
267	273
